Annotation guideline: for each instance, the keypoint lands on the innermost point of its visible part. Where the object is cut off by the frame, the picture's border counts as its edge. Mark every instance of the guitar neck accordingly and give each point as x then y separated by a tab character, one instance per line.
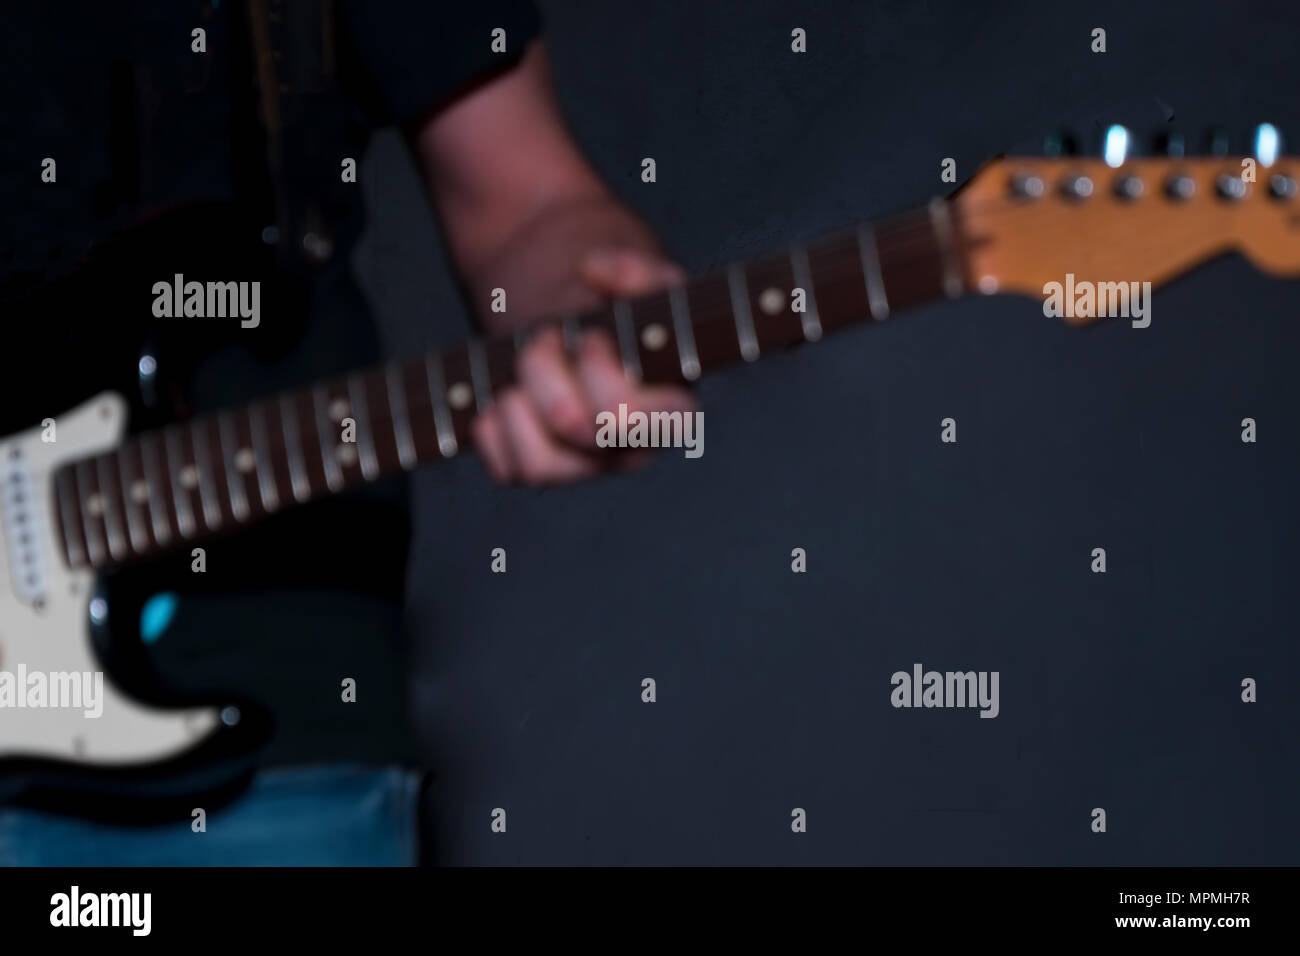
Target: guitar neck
181	485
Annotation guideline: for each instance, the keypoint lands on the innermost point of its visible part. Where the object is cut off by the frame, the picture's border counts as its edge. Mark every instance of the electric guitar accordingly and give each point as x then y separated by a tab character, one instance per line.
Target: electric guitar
81	497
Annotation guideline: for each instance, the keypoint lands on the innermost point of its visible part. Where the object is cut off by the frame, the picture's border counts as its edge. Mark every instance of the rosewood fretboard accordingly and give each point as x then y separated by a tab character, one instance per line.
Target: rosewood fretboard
171	488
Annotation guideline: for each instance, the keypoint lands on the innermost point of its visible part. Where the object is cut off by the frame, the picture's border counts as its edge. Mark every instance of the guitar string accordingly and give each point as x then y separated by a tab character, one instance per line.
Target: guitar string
910	225
910	237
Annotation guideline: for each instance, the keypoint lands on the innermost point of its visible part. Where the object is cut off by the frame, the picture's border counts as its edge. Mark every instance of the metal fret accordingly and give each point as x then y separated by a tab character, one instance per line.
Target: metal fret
333	474
740	309
876	300
366	439
627	346
207	490
941	220
683	333
76	553
112	526
234	480
134	526
180	494
162	531
809	318
94	543
116	540
569	330
478	375
293	444
262	456
401	418
441	412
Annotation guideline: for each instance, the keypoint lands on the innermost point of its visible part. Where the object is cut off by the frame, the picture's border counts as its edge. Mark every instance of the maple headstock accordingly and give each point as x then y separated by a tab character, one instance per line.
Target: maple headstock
1029	221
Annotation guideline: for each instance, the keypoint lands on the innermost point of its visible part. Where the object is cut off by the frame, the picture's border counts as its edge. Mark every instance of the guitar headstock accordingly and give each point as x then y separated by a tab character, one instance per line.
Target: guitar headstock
1030	221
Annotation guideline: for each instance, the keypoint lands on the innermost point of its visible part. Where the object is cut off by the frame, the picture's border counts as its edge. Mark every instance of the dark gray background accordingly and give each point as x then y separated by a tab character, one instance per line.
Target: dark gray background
1119	690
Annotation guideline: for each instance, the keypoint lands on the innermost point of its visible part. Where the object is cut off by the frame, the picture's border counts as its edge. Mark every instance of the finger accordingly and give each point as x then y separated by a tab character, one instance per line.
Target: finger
606	385
548	378
600	372
489	433
623	271
538	458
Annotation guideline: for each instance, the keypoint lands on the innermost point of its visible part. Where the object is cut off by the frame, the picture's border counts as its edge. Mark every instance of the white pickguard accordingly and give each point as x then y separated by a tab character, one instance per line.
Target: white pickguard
44	612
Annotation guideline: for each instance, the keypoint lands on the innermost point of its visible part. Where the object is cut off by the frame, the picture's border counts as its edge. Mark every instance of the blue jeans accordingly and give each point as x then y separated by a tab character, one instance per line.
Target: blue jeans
328	815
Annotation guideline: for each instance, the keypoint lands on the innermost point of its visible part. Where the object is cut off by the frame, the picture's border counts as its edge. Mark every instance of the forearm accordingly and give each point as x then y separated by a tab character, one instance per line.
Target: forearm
527	216
499	157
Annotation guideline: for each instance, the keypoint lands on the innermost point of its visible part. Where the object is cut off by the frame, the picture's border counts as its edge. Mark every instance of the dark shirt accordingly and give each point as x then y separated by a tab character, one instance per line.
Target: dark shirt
143	128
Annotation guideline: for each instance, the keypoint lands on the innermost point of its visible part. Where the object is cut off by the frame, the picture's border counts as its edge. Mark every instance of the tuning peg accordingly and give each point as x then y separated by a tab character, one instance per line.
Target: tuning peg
1217	141
1060	143
1267	144
1115	148
1116	152
1172	144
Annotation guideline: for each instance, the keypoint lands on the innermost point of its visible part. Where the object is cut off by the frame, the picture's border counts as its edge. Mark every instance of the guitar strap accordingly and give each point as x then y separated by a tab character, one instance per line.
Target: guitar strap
268	91
293	69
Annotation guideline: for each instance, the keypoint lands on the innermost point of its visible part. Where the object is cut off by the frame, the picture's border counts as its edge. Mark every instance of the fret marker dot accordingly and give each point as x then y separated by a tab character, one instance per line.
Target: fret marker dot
346	453
189	476
95	505
338	409
771	300
245	461
139	491
654	336
460	395
988	284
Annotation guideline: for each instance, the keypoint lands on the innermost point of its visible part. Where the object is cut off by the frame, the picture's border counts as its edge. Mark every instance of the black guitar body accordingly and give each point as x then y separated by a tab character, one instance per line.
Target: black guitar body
96	330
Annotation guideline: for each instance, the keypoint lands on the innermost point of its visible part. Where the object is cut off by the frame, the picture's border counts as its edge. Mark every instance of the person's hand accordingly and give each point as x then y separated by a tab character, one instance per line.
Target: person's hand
569	258
524	212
